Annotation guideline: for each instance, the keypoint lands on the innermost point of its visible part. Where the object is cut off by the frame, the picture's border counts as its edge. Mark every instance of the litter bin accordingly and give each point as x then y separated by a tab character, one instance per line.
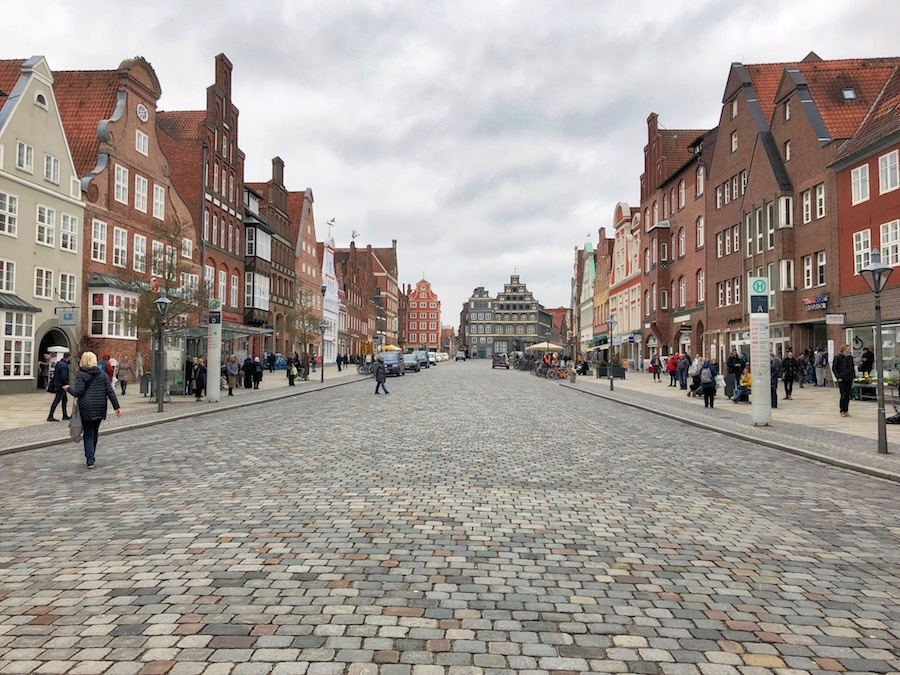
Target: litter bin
145	384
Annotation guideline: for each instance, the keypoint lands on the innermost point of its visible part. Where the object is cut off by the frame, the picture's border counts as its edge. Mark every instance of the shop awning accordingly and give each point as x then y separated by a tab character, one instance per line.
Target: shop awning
15	303
598	340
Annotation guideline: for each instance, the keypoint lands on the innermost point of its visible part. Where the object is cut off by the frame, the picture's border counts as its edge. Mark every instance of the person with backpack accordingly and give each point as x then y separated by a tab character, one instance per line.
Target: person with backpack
821	366
775	373
708	374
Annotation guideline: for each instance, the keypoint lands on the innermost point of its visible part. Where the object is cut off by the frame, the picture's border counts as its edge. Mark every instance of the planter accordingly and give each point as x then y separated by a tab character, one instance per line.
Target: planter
618	372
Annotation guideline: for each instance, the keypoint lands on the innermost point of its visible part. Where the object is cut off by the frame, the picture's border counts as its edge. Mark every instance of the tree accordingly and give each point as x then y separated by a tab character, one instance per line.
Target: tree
302	323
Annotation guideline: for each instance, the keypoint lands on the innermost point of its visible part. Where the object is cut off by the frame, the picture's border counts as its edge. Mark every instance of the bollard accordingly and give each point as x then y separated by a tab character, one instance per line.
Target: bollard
572	376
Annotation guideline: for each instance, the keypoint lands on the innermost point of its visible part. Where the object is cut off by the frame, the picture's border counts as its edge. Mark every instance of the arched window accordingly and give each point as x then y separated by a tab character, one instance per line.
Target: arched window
700	232
654	297
655	212
701	176
665	206
682	292
664	300
646	260
672	199
682	244
646	303
701	293
646	216
40	100
681	194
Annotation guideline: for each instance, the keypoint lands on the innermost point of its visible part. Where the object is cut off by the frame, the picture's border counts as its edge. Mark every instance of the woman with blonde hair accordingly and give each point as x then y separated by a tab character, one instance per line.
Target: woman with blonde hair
199	377
92	393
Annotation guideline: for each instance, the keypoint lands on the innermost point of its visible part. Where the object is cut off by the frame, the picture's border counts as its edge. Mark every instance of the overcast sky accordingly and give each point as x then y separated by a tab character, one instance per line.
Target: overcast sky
487	137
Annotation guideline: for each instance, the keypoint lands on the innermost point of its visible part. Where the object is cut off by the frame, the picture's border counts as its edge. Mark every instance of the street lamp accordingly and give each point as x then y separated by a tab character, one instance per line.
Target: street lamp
323	326
324	288
876	275
611	322
162	307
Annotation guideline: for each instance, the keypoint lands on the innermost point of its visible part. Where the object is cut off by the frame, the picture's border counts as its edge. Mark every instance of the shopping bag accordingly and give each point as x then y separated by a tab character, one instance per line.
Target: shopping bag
75	426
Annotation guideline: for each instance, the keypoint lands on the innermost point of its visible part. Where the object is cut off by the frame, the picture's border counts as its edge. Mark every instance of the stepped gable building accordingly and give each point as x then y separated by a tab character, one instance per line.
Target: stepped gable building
673	204
283	291
603	257
308	268
585	281
868	213
624	338
354	267
257	271
207	168
772	197
387	276
41	214
139	233
423	326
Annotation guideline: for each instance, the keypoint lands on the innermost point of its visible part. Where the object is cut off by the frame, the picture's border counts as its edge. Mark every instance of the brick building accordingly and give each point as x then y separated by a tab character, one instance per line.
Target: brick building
625	286
139	233
868	209
386	269
423	316
354	268
674	207
207	168
603	259
309	273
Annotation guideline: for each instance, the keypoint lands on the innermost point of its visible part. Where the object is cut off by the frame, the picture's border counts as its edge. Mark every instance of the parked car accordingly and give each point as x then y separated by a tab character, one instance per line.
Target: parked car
422	358
432	358
500	361
393	363
411	363
443	356
460	356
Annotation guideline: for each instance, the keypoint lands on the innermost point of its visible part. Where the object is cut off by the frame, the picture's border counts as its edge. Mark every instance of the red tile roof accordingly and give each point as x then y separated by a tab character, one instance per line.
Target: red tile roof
10	71
882	120
676	148
84	98
181	124
766	77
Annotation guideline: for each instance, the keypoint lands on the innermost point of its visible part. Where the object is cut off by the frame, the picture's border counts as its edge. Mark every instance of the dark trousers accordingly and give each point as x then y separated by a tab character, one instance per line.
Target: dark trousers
91	434
788	386
380	384
845	386
709	397
63	397
682	378
124	386
774	393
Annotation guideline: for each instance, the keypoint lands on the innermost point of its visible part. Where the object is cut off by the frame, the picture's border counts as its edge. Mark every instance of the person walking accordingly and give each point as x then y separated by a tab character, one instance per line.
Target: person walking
821	366
708	374
247	369
57	386
380	375
200	374
126	373
291	371
694	372
92	389
232	371
188	376
656	366
684	362
312	360
789	369
672	369
775	374
257	372
844	373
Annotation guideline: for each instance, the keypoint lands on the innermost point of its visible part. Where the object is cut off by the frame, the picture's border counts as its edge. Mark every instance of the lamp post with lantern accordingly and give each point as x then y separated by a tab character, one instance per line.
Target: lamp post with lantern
876	275
323	326
162	308
611	322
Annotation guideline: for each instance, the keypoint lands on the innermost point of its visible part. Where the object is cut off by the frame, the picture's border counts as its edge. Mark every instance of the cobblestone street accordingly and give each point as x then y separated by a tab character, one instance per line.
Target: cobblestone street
472	521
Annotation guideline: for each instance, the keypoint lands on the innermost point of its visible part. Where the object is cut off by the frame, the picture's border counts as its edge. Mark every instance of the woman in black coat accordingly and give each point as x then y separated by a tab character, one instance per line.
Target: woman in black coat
199	378
247	369
92	389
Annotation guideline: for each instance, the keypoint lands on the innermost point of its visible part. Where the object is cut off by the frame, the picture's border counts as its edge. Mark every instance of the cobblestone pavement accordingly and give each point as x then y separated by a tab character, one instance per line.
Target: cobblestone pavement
473	521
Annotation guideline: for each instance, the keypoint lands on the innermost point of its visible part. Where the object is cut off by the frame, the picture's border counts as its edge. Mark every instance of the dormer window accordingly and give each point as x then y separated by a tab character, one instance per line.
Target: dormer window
787	110
849	93
40	100
734	108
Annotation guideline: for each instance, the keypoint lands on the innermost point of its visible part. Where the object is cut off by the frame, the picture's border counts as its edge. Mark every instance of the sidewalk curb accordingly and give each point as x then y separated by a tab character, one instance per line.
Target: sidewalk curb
807	454
180	416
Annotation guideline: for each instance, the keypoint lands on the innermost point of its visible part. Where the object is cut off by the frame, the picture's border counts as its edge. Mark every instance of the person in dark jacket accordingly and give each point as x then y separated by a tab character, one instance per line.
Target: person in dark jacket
247	370
380	375
844	373
257	372
790	367
199	378
708	372
93	388
60	380
188	376
684	362
866	362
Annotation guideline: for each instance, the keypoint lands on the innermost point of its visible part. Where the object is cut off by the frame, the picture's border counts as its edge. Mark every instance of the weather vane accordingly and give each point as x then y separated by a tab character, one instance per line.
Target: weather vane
330	224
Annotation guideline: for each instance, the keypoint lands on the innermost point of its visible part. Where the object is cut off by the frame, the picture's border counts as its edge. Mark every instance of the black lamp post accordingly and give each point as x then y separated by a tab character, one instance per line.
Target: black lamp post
611	322
323	326
324	288
427	360
876	275
162	307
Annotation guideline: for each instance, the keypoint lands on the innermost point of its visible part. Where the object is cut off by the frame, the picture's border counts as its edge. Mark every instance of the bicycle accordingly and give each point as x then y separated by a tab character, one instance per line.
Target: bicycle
364	369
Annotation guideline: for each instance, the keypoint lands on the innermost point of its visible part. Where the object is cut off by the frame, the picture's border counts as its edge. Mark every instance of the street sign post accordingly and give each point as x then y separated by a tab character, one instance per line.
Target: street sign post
214	352
760	348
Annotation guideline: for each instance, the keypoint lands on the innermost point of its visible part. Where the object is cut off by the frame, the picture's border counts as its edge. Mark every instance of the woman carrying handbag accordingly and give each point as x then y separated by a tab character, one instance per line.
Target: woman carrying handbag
92	389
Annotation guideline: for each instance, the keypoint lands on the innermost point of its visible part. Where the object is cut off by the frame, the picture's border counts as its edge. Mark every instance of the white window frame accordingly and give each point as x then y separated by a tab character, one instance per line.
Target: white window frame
682	242
223	286
888	172
719	197
157	251
68	233
807	206
786	274
109	317
159	202
682	292
235	291
862	249
859	184
141	142
785	214
18	342
748	233
187	248
787	151
736	283
727	286
43	283
24	157
664	299
808	271
9	214
120	247
206	225
734	141
121	184
140	253
701	178
720	244
51	169
141	190
98	240
820	200
701	231
681	194
45	226
890	243
7	276
787	110
701	286
821	269
772	275
67	287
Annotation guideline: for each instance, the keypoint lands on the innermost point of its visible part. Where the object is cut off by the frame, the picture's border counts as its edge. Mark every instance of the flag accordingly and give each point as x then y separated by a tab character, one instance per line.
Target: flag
354	235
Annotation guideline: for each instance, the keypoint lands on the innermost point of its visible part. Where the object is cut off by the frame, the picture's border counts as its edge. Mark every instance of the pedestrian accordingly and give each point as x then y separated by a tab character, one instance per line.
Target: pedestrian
656	367
126	373
304	366
684	363
57	387
291	371
312	361
844	373
821	366
866	362
672	369
232	372
694	372
789	369
338	361
188	376
708	373
744	385
199	377
247	370
775	375
257	373
380	375
92	389
270	362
